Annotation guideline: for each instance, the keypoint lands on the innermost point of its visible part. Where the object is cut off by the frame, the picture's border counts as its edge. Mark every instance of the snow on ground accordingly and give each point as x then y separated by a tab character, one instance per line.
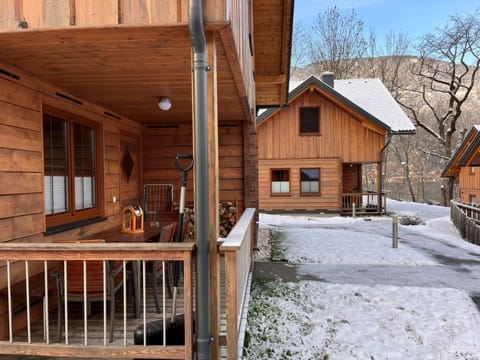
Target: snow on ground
318	320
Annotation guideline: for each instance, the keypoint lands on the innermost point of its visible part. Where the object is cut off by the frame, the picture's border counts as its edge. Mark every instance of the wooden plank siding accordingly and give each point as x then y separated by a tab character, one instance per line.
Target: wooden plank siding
469	184
344	138
330	185
21	156
160	146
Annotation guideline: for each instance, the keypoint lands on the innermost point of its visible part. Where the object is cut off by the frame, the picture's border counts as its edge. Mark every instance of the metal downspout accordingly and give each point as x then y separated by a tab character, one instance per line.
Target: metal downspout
381	158
200	116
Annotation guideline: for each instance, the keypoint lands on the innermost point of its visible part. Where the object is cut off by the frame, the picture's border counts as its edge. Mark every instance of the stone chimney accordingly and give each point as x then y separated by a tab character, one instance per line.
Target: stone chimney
327	77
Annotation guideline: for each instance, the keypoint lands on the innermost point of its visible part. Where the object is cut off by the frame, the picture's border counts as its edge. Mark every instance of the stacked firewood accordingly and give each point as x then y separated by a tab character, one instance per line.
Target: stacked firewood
227	214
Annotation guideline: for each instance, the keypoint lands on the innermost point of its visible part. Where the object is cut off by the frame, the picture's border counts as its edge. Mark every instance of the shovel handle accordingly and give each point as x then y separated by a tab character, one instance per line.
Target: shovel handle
184	156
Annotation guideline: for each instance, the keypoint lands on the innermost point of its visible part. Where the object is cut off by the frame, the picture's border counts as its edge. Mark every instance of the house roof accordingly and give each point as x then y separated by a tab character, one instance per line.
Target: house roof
465	155
368	97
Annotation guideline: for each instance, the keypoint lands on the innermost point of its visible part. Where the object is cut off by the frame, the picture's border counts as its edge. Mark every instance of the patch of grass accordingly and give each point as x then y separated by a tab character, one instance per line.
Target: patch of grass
277	247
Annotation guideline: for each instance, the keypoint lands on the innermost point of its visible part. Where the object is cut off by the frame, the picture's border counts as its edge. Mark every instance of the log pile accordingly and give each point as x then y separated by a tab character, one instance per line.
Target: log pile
227	214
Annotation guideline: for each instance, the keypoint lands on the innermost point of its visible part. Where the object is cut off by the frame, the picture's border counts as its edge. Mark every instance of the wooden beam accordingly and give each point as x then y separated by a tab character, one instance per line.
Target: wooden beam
271	79
213	176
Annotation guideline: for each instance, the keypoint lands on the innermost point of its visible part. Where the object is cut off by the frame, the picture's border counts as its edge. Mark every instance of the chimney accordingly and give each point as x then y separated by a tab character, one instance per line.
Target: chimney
327	78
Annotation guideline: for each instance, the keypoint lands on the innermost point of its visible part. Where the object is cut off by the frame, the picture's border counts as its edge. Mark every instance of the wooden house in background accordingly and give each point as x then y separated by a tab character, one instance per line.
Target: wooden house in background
81	131
324	151
463	167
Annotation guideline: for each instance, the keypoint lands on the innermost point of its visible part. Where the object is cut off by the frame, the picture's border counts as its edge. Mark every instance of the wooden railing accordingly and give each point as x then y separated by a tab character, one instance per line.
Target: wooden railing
237	248
466	219
42	257
363	202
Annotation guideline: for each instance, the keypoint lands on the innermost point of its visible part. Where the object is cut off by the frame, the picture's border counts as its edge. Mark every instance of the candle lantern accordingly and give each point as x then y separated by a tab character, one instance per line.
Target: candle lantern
132	219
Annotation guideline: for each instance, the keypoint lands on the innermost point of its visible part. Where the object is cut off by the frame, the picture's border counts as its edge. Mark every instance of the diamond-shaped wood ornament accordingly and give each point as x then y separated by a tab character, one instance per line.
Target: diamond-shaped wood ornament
127	164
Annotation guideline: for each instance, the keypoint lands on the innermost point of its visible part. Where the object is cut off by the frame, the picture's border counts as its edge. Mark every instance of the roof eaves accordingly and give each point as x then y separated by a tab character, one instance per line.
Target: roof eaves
474	132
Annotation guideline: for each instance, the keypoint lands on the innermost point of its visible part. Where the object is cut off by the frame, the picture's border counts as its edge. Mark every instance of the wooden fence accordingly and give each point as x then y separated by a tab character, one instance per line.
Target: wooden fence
466	219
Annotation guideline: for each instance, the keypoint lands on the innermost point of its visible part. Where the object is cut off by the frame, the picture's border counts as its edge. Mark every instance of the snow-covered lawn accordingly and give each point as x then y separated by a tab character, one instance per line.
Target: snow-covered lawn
318	320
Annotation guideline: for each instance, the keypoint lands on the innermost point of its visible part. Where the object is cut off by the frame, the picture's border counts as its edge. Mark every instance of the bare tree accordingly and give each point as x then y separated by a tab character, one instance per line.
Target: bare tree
445	74
300	46
337	42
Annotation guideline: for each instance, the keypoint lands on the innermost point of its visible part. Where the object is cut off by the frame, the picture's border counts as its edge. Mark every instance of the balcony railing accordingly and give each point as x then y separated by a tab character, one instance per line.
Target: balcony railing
237	248
29	287
363	203
28	280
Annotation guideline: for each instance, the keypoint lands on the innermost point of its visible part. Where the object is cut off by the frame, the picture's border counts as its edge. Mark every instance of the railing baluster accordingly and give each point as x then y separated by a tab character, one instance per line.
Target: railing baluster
27	296
124	269
104	303
65	300
10	313
163	306
85	303
46	320
144	284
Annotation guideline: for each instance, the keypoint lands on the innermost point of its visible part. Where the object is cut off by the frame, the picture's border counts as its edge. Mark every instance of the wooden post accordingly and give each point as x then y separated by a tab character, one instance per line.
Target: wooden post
379	188
214	197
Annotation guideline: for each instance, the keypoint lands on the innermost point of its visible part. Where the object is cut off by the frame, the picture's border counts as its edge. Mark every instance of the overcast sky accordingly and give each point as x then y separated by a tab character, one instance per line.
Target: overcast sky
414	17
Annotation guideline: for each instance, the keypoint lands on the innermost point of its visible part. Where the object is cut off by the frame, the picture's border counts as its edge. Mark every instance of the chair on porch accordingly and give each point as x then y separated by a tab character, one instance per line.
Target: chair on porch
94	283
154	269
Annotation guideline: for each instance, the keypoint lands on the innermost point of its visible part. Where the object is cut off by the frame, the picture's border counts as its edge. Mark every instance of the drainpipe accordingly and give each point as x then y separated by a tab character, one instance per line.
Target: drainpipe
381	157
200	109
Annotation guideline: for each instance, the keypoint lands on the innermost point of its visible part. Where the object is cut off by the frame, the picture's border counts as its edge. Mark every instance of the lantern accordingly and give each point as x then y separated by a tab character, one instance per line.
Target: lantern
132	219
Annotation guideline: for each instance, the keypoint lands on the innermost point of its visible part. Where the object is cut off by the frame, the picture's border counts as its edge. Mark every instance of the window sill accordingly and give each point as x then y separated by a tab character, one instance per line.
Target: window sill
74	225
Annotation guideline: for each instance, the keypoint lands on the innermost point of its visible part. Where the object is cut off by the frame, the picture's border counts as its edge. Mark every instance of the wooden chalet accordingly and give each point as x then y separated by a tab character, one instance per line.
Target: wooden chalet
324	151
81	133
463	167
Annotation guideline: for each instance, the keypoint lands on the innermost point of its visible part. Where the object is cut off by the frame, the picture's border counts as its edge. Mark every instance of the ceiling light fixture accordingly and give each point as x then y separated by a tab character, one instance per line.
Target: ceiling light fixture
164	103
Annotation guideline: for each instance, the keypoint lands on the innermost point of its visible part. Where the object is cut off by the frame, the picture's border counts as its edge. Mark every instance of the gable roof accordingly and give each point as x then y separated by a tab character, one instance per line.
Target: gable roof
465	154
368	97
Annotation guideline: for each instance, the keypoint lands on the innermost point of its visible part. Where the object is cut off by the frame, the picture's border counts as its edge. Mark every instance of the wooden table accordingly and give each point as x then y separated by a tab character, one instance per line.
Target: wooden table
151	233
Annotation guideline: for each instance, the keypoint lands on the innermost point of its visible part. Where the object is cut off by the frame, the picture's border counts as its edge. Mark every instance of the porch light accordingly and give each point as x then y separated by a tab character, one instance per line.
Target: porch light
164	103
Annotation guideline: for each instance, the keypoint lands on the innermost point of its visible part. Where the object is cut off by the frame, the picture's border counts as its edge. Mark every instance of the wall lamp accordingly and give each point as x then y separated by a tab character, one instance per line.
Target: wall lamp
164	103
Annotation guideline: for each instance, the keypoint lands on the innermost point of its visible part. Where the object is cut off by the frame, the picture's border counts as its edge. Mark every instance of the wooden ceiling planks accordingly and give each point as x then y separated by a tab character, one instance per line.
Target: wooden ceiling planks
272	52
123	69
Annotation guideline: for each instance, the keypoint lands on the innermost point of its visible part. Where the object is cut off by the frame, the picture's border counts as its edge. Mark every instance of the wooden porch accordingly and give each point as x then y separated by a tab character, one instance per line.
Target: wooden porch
364	203
87	336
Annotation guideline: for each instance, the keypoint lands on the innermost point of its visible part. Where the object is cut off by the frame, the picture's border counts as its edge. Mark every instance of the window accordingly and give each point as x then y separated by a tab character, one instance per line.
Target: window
309	121
70	168
472	170
473	199
309	181
281	182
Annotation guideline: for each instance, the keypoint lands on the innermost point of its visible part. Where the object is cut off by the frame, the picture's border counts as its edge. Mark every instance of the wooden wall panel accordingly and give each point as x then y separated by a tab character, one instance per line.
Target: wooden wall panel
152	11
96	13
469	184
161	145
341	134
21	157
329	185
64	13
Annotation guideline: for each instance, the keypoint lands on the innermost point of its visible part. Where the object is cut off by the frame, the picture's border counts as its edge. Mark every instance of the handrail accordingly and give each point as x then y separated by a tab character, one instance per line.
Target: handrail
48	254
238	250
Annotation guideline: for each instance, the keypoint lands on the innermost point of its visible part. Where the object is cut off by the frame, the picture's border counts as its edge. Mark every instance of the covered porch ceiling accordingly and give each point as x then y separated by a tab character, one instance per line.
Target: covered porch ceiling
124	69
